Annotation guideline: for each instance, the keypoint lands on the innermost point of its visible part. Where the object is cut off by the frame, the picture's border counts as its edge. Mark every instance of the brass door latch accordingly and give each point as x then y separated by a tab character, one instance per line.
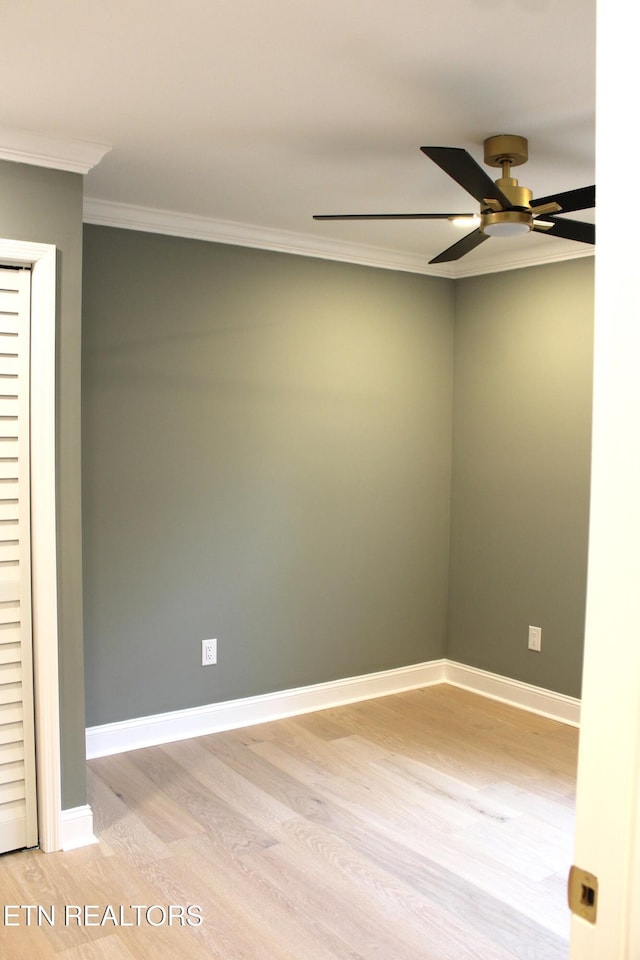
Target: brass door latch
583	894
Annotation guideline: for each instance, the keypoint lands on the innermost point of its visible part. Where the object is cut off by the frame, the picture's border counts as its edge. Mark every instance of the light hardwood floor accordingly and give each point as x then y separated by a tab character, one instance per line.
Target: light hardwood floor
429	825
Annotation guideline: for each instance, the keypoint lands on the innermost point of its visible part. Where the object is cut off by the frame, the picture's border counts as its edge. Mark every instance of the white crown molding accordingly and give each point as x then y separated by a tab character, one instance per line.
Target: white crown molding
151	220
517	263
112	738
24	146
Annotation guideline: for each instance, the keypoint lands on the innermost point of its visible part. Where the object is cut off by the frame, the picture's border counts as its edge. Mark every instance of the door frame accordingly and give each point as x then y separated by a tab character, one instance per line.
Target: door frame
607	839
41	257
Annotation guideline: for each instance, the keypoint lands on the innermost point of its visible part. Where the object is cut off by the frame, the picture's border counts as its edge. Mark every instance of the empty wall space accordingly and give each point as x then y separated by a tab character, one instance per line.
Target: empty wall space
332	469
266	460
521	467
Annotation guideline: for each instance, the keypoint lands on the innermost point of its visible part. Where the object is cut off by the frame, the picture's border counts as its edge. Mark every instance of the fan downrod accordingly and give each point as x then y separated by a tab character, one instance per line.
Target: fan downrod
506	151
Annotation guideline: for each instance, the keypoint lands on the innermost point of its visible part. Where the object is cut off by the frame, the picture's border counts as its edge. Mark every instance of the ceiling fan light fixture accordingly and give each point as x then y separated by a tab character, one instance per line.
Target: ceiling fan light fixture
506	208
466	222
507	223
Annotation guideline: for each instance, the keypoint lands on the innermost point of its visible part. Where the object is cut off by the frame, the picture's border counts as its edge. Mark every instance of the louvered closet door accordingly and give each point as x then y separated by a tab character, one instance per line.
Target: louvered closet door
18	824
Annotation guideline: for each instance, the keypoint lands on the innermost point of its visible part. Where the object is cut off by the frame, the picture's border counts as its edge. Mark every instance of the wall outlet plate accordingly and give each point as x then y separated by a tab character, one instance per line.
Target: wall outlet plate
535	638
209	652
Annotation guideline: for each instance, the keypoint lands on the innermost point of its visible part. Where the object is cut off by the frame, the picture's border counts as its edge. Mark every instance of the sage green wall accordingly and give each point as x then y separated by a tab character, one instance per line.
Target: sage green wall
521	460
45	206
266	460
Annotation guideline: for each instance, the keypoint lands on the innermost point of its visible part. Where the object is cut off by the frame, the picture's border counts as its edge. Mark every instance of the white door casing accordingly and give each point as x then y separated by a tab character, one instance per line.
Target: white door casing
608	804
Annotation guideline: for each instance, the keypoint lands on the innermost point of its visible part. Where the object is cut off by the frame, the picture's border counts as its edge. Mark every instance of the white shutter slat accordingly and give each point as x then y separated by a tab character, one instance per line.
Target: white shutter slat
7	339
10	612
13	810
10	468
9	550
10	633
9	530
8	449
12	833
12	772
11	752
12	791
9	509
11	732
9	403
8	595
9	292
11	713
10	672
9	364
9	488
8	383
11	322
10	652
10	574
11	698
11	694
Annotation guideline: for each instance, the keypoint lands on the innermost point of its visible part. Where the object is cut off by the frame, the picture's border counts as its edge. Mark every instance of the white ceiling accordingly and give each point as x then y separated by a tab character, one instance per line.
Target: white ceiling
239	119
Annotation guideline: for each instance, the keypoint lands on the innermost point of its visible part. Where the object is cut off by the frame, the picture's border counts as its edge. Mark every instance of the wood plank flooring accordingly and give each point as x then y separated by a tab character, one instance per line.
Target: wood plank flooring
428	825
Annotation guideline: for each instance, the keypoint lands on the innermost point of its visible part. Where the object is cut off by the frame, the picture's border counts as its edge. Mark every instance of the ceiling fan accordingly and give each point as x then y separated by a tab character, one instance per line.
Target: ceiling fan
506	208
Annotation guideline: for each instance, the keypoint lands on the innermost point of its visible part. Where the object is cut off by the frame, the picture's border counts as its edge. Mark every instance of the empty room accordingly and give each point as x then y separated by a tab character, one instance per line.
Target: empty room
318	481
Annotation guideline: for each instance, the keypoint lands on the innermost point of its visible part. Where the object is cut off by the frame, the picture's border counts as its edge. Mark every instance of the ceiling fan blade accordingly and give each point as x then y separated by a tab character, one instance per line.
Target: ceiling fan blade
468	243
461	166
570	229
584	198
393	216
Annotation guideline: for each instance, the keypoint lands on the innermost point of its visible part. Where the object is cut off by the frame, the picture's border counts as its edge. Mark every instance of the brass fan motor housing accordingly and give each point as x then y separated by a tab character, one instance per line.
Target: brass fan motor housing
506	147
518	196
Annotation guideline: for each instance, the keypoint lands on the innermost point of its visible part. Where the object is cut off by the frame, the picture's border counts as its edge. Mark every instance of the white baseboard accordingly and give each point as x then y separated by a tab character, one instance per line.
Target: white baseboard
125	735
112	738
556	706
76	828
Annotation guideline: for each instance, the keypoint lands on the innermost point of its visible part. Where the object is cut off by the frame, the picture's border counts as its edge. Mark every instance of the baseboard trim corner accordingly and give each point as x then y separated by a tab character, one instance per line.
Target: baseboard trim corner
119	737
76	828
546	703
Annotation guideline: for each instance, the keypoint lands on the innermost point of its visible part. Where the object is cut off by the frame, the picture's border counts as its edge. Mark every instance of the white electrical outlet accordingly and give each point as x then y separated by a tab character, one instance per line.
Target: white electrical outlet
209	652
535	639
